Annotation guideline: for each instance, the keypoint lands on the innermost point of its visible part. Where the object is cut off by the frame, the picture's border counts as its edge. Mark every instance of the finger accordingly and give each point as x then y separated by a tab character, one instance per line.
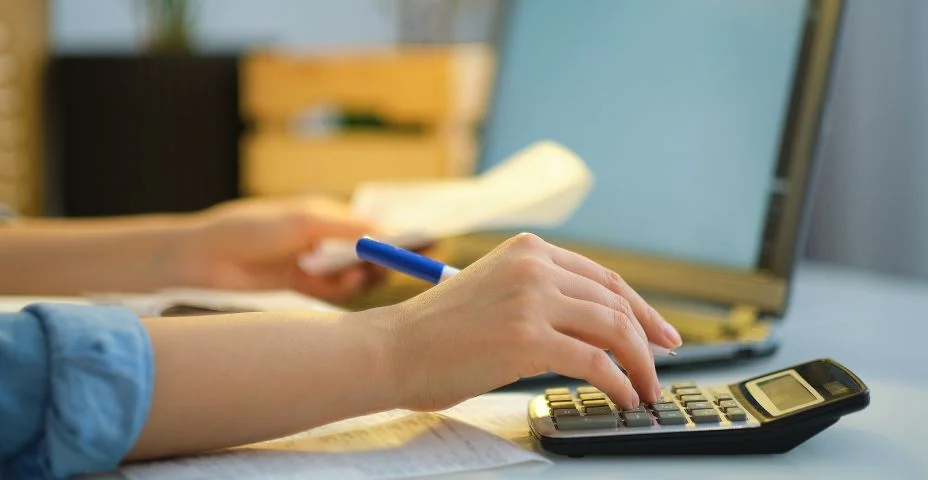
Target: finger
581	288
424	249
577	359
599	325
327	218
658	329
373	274
338	227
335	287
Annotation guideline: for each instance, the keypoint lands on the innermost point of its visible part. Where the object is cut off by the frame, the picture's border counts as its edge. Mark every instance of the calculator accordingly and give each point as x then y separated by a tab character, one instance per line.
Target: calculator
771	413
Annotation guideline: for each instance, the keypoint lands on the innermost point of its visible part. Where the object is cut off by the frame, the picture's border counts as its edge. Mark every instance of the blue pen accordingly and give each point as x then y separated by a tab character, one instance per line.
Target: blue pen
402	260
425	268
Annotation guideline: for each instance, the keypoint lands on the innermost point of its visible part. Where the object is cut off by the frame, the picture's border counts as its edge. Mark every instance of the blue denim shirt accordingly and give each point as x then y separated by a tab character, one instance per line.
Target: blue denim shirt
75	388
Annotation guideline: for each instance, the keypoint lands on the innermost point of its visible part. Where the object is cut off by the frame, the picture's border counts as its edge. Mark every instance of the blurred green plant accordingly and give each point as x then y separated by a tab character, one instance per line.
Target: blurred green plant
169	24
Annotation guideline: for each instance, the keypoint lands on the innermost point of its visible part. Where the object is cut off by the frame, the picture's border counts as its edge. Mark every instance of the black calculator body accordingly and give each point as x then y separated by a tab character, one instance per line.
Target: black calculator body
770	413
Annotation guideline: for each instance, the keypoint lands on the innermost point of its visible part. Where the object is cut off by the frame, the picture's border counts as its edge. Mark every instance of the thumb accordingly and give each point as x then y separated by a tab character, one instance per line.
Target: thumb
317	229
326	218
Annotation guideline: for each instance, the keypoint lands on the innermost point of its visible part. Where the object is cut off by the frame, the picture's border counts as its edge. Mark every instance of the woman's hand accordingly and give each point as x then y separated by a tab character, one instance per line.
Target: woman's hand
254	244
526	308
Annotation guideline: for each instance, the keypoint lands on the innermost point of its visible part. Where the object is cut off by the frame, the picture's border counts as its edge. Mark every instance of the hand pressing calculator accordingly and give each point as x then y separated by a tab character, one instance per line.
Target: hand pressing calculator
771	413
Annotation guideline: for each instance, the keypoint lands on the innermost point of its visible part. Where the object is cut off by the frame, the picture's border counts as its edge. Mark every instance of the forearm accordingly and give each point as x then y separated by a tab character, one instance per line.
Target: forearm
116	222
238	379
70	257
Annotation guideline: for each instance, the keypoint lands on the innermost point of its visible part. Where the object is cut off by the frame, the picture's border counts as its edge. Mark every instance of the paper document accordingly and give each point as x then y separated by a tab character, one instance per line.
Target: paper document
390	445
540	186
152	305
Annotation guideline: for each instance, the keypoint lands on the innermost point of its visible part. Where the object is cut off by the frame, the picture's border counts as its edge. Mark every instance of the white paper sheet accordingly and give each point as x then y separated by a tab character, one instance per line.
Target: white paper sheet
151	305
540	186
503	414
396	444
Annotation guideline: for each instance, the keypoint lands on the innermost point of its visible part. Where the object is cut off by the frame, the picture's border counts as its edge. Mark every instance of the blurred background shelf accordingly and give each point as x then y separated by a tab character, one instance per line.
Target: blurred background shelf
423	106
23	50
179	122
142	133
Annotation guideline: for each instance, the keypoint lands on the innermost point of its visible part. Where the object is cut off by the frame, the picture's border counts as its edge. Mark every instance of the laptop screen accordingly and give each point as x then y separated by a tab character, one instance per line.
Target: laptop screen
677	107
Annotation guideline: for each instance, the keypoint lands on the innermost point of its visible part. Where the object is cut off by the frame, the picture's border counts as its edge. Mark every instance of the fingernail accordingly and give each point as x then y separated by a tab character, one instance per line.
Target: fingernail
658	393
672	335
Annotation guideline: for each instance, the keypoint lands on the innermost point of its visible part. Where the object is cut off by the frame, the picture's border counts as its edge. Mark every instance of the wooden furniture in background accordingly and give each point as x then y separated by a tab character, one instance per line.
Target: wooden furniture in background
142	133
428	101
23	47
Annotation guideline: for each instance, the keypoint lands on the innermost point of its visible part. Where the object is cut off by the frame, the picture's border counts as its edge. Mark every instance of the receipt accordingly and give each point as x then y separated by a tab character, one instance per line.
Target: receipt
539	186
390	445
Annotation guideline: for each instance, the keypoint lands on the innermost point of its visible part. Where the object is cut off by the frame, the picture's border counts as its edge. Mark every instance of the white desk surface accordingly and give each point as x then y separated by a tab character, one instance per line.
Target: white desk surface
875	326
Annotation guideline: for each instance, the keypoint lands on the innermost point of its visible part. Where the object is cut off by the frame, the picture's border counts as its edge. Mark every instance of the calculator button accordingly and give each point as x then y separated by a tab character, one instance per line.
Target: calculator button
565	412
699	406
554	405
665	407
687	391
693	398
674	417
595	403
736	414
588	389
557	391
587	422
641	408
560	397
637	419
728	404
706	415
599	411
722	396
678	386
592	396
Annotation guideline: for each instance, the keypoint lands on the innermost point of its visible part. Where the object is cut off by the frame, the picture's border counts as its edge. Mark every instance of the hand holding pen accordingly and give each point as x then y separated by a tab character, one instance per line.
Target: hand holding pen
558	301
428	269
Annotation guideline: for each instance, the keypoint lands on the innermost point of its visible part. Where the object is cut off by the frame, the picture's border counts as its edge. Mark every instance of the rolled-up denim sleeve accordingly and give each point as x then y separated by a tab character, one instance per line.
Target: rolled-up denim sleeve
75	389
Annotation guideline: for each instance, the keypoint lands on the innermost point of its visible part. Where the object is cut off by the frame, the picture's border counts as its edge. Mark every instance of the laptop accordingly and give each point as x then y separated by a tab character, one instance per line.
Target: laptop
700	122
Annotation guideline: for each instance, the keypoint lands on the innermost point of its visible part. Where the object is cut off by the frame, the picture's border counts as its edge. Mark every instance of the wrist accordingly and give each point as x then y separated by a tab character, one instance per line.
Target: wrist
188	265
382	351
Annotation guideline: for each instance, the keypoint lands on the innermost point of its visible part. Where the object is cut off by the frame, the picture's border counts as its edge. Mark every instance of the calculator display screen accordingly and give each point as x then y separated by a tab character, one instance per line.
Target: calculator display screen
786	392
